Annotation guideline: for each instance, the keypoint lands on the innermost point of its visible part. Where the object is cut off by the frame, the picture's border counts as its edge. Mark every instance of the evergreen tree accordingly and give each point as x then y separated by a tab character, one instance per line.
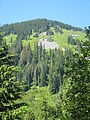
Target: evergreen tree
48	112
76	96
9	90
35	76
43	75
35	54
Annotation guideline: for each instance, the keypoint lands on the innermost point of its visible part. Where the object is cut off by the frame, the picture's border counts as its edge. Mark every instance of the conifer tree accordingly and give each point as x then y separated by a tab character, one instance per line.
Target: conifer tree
9	90
76	96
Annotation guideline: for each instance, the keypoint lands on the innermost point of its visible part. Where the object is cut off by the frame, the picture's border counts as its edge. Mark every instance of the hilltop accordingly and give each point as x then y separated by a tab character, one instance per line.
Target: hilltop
55	33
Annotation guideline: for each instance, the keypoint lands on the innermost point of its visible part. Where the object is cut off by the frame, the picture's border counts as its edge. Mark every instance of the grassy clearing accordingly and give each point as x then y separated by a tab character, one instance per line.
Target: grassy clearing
62	39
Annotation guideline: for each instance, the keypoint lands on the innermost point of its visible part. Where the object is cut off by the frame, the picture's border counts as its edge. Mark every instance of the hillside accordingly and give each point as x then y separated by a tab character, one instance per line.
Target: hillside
63	35
44	71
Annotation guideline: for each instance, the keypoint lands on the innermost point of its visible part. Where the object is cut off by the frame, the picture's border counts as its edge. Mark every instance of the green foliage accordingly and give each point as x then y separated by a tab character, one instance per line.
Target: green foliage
76	88
10	39
88	32
44	73
44	68
9	90
29	32
41	104
38	25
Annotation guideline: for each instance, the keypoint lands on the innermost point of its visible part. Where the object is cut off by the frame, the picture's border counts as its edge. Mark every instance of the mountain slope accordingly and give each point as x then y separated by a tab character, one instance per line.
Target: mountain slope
65	36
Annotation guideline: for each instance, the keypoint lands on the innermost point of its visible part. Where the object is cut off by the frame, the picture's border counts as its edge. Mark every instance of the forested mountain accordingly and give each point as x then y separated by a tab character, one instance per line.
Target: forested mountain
48	62
38	25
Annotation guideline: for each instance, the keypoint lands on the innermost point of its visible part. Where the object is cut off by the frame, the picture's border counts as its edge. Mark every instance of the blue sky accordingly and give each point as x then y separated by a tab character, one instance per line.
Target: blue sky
74	12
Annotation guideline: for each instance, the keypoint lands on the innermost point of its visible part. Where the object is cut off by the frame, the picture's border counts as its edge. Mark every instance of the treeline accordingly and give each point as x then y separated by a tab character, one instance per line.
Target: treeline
38	25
